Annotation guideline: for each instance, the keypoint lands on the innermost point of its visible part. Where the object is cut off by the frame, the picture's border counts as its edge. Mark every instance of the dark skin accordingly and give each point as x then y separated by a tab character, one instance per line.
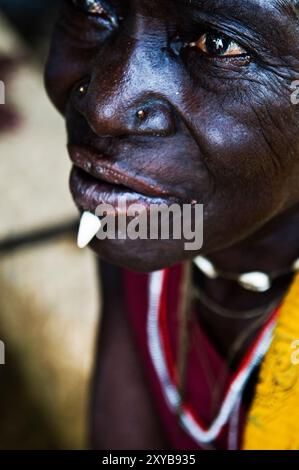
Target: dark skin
219	130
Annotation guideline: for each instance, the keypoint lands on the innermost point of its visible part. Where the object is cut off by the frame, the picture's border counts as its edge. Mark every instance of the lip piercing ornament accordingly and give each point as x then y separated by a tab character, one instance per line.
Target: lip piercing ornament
89	226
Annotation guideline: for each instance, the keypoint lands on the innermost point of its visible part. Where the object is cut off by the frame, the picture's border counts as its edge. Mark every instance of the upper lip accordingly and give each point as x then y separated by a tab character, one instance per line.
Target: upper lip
97	165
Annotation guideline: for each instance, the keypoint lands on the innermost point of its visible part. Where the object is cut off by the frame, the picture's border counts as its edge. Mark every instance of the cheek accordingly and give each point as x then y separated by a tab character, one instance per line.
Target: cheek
243	150
66	66
250	180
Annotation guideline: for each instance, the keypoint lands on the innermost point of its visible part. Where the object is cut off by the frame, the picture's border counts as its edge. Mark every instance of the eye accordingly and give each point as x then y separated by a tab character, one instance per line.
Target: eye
219	45
92	7
97	8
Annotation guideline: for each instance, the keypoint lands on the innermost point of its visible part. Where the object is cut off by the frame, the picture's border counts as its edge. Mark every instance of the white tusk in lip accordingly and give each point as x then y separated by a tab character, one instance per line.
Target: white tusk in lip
90	224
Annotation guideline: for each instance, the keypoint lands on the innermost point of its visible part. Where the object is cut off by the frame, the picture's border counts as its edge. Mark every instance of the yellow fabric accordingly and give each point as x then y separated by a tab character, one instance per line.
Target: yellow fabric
273	420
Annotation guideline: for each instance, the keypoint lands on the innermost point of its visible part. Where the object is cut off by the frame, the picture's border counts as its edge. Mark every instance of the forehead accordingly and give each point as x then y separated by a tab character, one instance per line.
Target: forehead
280	15
280	6
257	4
284	7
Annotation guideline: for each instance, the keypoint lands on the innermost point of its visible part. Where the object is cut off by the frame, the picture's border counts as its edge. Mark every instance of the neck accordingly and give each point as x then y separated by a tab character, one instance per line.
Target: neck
274	247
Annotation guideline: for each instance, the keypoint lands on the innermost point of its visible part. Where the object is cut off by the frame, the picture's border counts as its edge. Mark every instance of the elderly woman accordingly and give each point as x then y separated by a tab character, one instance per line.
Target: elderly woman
189	102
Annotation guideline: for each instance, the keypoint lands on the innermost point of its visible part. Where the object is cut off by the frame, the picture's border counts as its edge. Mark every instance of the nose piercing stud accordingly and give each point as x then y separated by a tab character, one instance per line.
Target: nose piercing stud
141	114
82	90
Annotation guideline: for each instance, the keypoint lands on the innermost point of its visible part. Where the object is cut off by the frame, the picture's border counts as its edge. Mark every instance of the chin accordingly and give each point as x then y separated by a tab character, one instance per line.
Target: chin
141	255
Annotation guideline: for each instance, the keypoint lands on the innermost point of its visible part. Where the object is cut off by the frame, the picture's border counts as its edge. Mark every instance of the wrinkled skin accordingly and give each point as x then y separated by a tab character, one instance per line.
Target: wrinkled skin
220	131
228	134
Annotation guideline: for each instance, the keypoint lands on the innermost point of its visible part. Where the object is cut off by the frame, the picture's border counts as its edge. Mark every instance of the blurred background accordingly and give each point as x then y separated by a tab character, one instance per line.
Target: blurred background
48	294
33	19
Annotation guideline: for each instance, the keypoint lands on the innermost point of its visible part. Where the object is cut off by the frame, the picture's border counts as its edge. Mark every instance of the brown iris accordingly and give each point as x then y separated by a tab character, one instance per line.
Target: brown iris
216	44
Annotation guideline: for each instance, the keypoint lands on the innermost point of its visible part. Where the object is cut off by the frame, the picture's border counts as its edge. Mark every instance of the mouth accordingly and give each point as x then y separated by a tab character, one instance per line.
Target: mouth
94	181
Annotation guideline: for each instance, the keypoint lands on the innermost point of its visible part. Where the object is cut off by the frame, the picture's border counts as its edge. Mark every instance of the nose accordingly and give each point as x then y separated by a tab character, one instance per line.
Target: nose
122	96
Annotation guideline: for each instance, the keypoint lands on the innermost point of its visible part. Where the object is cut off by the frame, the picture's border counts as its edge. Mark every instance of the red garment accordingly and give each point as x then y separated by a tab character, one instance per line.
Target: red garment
198	392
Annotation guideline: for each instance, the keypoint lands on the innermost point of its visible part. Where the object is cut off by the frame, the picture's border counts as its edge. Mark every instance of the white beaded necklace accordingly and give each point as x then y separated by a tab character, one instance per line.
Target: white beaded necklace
256	281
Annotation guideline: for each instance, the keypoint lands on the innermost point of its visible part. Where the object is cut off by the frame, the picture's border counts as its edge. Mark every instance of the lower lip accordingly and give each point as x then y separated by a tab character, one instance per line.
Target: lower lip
88	193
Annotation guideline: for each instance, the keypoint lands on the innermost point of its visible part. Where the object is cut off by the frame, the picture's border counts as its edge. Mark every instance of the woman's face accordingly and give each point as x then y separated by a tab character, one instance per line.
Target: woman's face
212	79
